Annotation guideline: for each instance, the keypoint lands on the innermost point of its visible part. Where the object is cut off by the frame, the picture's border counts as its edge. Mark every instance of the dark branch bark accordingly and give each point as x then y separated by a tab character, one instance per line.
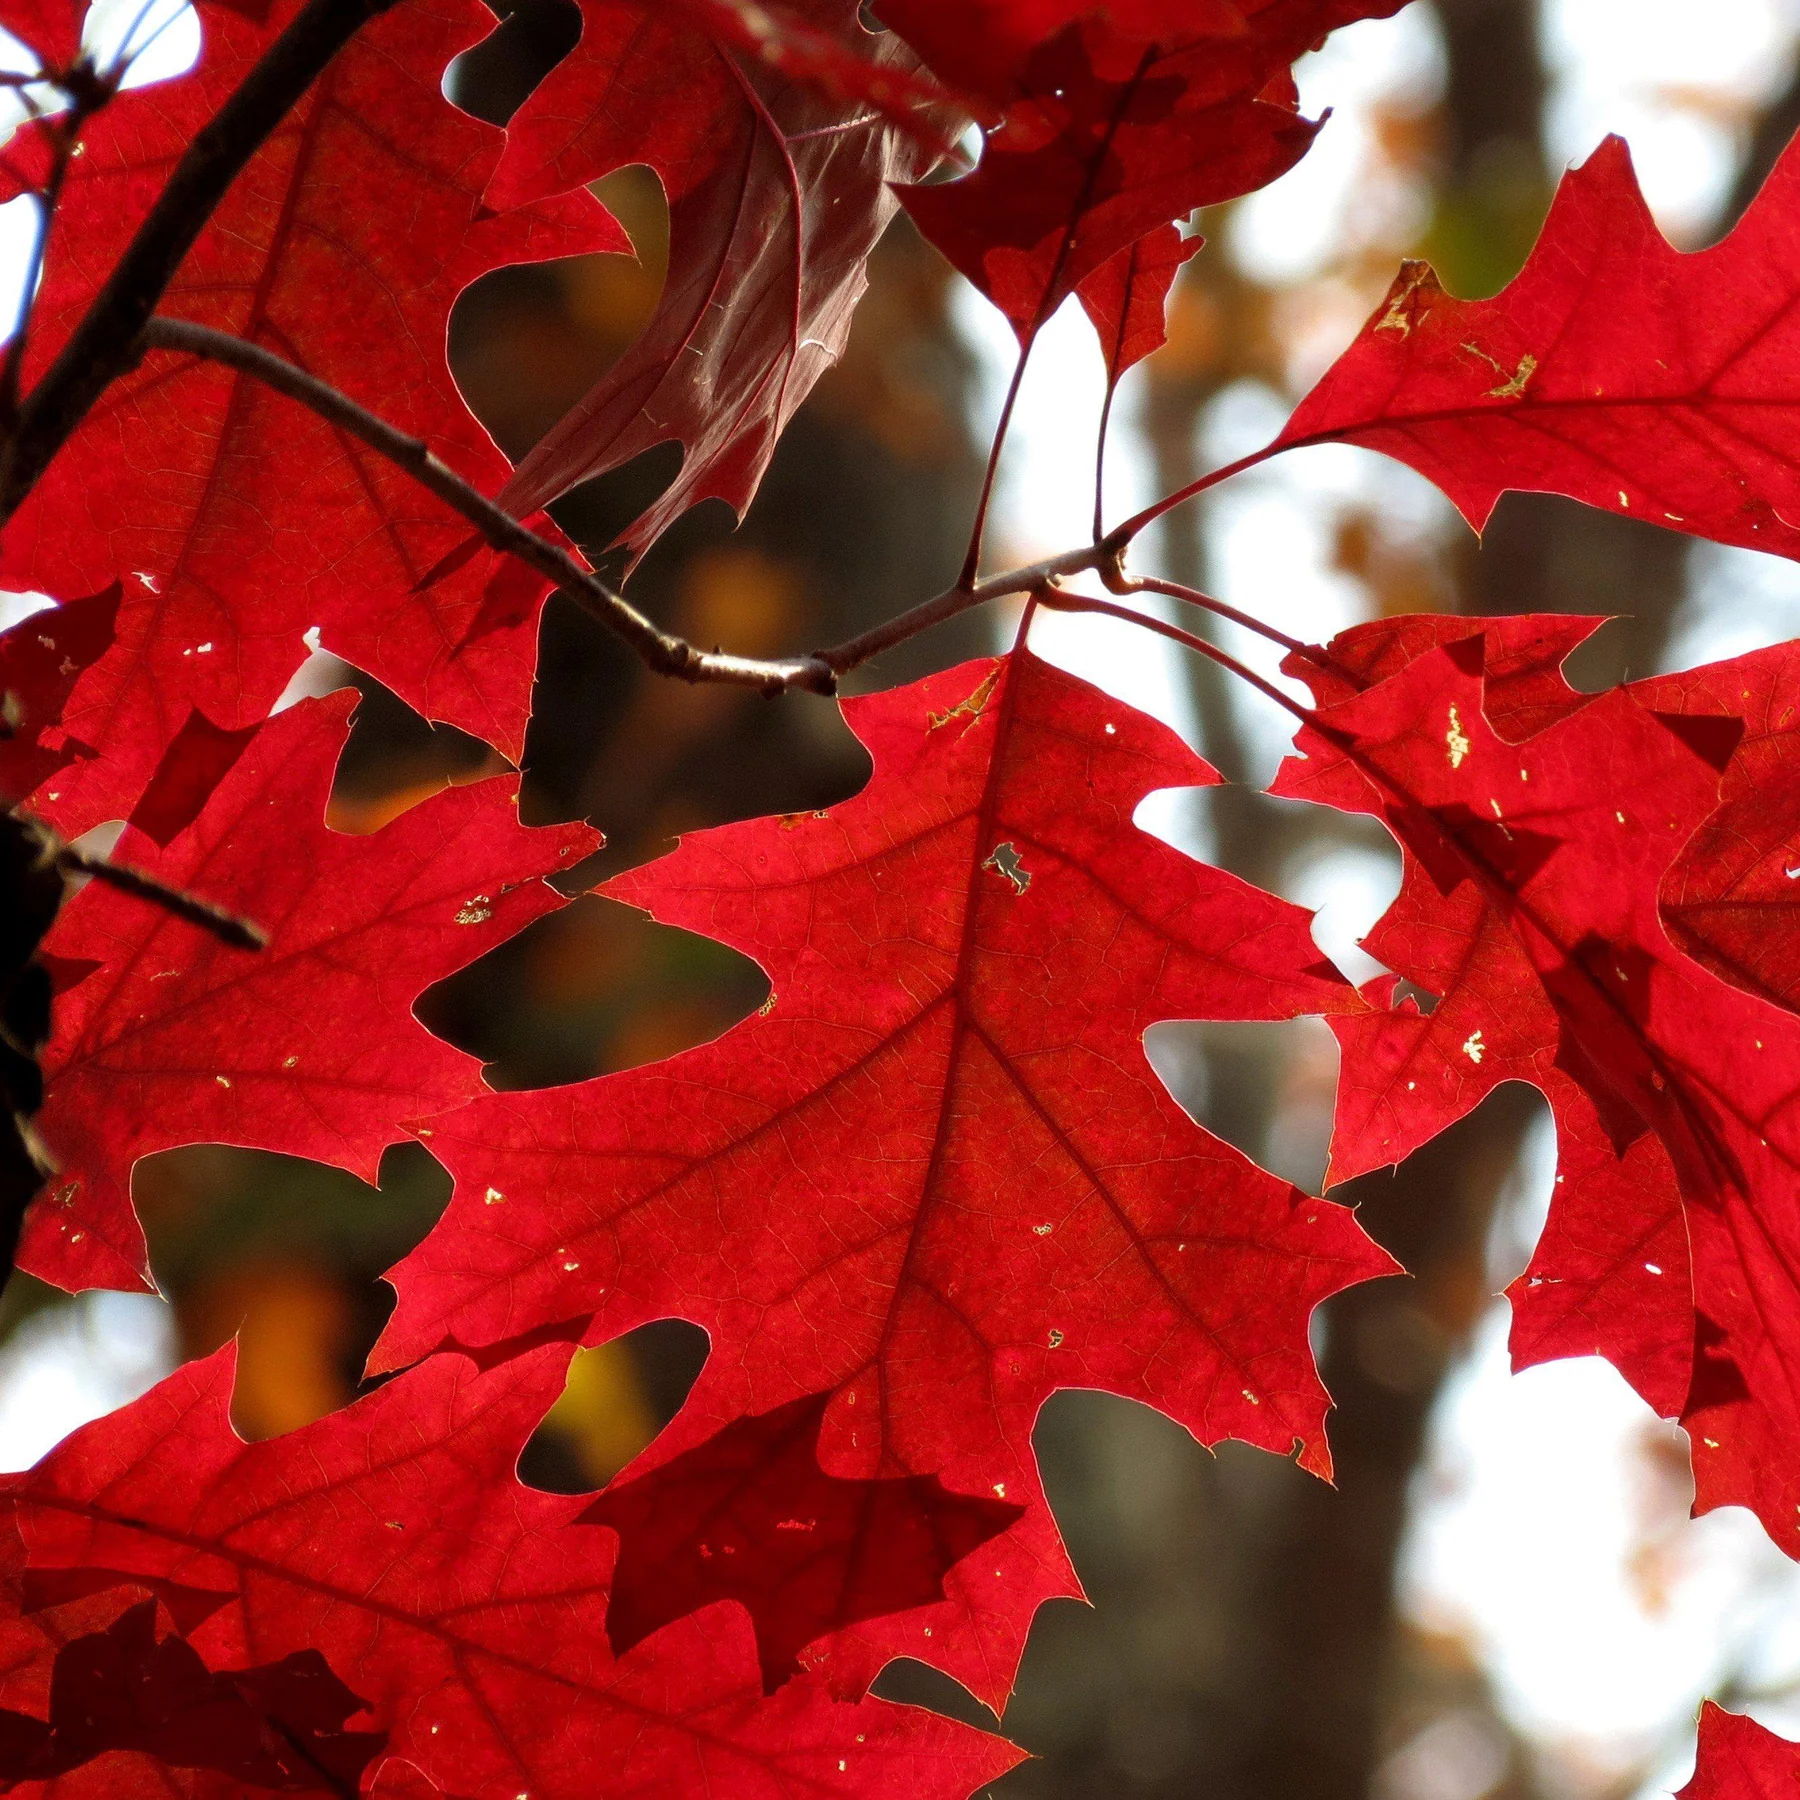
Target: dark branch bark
105	344
661	651
227	927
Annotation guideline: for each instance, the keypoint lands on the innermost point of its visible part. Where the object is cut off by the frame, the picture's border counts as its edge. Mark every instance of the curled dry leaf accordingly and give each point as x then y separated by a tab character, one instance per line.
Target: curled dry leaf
778	193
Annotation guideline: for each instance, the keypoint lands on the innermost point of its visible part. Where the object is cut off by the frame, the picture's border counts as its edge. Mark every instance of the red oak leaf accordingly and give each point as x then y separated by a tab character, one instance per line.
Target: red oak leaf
397	1780
279	1726
803	52
937	1176
984	45
41	1616
750	1516
1117	120
50	27
237	519
1610	1273
1522	663
1613	369
1739	1760
1568	837
200	756
309	1047
394	1541
41	659
777	195
1730	900
1127	298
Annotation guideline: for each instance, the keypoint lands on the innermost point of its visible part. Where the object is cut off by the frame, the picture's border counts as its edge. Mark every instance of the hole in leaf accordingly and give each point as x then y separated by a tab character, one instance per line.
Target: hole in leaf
1155	1528
395	758
491	79
618	1396
591	989
911	1683
1265	1087
287	1255
528	341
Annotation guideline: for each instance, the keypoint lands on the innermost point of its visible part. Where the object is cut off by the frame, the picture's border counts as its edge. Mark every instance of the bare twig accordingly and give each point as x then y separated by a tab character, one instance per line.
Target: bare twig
661	650
1175	590
1058	601
227	927
105	342
1106	407
978	530
1031	579
1083	199
1121	535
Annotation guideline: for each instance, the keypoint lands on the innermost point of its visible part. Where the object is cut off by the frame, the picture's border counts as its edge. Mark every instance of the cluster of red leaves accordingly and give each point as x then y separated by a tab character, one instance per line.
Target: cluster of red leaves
935	1177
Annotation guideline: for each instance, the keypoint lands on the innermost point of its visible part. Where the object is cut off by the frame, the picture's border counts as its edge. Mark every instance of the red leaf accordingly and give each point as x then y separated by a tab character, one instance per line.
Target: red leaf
1739	1760
41	1615
237	519
1117	120
1567	839
984	45
1729	901
1613	369
50	27
394	1541
41	659
777	196
803	52
1610	1274
279	1726
1128	296
309	1047
939	1178
200	756
750	1516
1521	668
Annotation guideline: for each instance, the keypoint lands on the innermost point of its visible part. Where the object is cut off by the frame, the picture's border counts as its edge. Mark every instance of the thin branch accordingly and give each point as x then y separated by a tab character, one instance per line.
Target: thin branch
105	343
1121	535
1106	406
978	531
1040	318
662	651
227	927
129	49
1059	601
1174	590
1031	579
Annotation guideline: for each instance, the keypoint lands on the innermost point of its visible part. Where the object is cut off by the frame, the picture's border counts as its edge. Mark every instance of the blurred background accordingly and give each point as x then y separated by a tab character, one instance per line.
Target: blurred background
1503	1595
